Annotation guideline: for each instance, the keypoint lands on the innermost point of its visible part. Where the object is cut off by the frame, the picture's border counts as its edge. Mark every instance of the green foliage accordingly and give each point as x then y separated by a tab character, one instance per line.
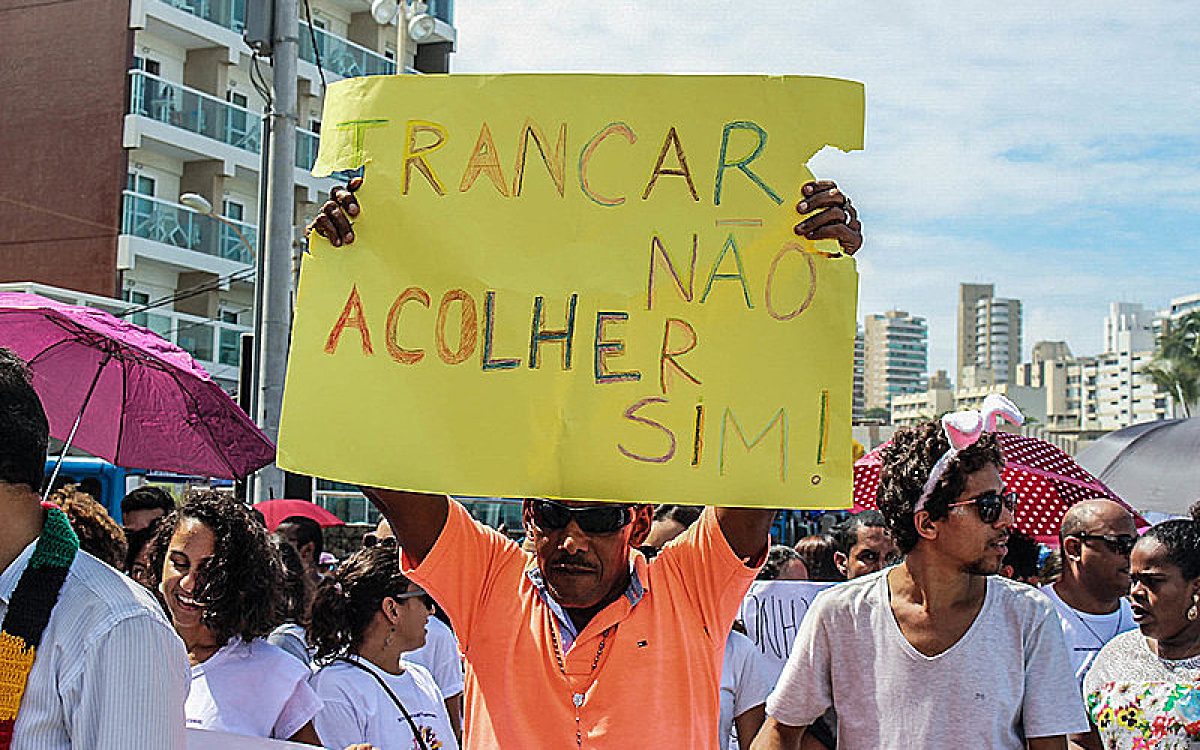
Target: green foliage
1176	364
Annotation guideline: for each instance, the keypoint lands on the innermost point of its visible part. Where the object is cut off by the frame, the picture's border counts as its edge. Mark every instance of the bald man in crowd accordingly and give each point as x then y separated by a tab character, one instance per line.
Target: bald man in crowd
1096	538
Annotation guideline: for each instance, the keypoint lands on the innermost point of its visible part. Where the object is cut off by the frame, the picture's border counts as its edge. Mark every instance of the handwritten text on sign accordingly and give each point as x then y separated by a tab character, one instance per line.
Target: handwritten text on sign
772	612
582	287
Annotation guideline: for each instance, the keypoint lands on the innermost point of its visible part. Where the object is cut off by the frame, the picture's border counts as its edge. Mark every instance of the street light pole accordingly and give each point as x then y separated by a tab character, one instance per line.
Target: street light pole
279	230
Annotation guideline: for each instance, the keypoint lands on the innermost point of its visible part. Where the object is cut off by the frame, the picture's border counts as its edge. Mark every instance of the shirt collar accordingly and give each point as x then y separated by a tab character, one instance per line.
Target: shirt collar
12	574
633	592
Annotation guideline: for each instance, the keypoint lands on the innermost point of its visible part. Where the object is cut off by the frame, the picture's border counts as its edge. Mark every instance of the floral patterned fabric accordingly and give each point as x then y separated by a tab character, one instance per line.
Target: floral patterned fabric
1141	702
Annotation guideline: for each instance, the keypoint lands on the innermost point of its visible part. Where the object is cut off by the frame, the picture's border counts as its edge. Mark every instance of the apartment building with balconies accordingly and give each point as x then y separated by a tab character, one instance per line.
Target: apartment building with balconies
896	357
120	107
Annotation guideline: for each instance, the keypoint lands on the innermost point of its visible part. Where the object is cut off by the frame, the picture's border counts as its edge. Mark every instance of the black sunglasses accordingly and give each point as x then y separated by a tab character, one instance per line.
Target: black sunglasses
370	540
1122	544
991	505
607	519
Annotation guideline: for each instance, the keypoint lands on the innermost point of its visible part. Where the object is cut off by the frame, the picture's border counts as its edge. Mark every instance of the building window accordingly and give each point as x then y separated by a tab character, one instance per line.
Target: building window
151	66
140	184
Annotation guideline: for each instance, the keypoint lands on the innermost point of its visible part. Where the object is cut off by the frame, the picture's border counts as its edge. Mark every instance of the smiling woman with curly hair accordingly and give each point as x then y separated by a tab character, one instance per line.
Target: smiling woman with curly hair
221	582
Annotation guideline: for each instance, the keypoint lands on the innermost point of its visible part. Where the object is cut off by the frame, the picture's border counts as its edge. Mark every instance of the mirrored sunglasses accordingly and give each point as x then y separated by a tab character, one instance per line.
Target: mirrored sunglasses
608	519
1121	544
991	505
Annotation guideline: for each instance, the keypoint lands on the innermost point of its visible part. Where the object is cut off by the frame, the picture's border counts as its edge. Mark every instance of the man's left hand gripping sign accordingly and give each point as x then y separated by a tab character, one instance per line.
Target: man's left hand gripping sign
579	286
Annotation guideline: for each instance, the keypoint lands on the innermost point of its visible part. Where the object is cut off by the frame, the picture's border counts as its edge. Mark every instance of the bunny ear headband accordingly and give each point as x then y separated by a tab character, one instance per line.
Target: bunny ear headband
963	429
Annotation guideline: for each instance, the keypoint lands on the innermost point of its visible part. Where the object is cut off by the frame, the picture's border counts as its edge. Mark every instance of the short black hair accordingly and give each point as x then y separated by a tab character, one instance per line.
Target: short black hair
845	534
24	429
307	531
148	497
241	585
684	515
907	463
1181	537
778	556
1023	554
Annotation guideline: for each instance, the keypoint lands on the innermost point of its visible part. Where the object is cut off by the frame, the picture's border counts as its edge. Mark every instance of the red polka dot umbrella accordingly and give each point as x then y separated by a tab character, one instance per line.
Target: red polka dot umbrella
1047	481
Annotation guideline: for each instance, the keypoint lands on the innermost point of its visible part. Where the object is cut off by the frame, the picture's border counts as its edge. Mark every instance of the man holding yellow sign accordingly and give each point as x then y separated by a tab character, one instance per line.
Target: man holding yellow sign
673	319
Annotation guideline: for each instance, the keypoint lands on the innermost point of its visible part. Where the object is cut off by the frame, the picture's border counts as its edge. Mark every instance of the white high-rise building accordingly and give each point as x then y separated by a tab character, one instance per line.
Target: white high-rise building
1129	327
859	402
989	337
896	356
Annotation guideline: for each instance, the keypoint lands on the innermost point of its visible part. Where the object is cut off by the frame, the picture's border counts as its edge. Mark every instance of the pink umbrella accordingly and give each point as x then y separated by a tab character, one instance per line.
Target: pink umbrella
1046	479
148	404
274	511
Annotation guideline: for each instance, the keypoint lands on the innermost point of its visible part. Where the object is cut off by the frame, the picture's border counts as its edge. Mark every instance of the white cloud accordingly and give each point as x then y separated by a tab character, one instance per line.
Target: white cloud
1046	115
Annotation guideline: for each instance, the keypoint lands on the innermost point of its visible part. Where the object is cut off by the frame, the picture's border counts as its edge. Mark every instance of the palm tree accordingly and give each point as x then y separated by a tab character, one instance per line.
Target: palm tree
1176	364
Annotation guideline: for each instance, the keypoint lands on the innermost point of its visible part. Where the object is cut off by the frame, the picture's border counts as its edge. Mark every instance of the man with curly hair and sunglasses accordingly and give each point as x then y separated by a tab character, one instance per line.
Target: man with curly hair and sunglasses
937	651
561	645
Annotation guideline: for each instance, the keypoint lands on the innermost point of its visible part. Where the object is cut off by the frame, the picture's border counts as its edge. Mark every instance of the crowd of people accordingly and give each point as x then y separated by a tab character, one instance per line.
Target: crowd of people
610	626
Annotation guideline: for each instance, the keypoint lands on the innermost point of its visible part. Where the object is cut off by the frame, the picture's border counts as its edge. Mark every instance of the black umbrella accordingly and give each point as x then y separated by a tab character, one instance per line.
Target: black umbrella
1153	466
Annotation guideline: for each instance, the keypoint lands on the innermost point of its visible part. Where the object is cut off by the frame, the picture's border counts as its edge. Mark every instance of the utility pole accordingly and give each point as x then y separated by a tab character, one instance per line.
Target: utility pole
276	277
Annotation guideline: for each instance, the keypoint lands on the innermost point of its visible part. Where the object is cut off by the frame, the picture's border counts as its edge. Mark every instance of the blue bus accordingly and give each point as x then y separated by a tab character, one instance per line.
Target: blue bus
109	483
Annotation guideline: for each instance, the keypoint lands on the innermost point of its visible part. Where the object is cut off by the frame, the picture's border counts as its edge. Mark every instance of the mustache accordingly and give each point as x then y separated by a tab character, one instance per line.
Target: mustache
574	561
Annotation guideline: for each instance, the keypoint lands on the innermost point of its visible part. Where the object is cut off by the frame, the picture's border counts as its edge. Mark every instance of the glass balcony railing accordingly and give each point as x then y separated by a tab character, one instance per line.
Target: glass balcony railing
228	13
209	116
173	224
306	148
208	340
192	110
341	56
442	9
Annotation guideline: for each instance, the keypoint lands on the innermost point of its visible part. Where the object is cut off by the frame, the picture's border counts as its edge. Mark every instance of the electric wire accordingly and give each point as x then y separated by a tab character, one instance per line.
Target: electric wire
312	33
208	286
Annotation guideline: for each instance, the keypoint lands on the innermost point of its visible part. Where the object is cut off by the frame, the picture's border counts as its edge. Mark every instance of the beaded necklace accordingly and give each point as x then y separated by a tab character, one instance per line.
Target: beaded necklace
29	612
1100	640
578	698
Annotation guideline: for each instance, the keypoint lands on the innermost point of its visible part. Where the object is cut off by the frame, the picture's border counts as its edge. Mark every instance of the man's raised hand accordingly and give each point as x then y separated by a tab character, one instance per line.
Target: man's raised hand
334	221
835	217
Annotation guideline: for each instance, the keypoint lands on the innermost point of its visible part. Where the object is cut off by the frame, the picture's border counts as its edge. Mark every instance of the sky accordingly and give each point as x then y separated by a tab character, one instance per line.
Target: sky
1051	149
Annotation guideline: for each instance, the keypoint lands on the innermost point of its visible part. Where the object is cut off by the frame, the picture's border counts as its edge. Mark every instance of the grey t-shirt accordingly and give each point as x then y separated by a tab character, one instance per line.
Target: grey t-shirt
1007	679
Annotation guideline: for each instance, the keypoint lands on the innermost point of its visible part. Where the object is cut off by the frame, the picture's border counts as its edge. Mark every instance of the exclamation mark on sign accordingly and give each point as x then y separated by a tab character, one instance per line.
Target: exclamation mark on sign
823	437
698	436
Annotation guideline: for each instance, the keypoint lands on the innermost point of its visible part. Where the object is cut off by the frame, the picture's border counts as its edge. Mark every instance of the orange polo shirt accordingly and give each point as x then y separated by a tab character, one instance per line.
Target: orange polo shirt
657	681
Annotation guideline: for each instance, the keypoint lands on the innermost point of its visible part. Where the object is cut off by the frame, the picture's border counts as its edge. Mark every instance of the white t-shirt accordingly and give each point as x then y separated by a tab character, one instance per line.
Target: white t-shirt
1007	679
1085	633
746	681
440	655
357	709
251	688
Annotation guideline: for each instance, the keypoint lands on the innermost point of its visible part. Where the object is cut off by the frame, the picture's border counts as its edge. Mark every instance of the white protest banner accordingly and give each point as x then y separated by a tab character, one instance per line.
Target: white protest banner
772	611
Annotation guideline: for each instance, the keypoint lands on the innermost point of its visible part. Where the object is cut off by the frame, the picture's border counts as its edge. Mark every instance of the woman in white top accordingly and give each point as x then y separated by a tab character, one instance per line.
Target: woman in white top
220	581
365	615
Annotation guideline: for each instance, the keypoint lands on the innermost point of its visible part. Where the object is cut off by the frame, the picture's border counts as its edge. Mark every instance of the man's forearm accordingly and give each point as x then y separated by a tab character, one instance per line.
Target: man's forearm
747	530
776	736
416	518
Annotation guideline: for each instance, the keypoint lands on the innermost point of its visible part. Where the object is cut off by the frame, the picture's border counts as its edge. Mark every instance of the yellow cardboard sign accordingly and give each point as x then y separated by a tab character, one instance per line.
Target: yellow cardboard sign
579	286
